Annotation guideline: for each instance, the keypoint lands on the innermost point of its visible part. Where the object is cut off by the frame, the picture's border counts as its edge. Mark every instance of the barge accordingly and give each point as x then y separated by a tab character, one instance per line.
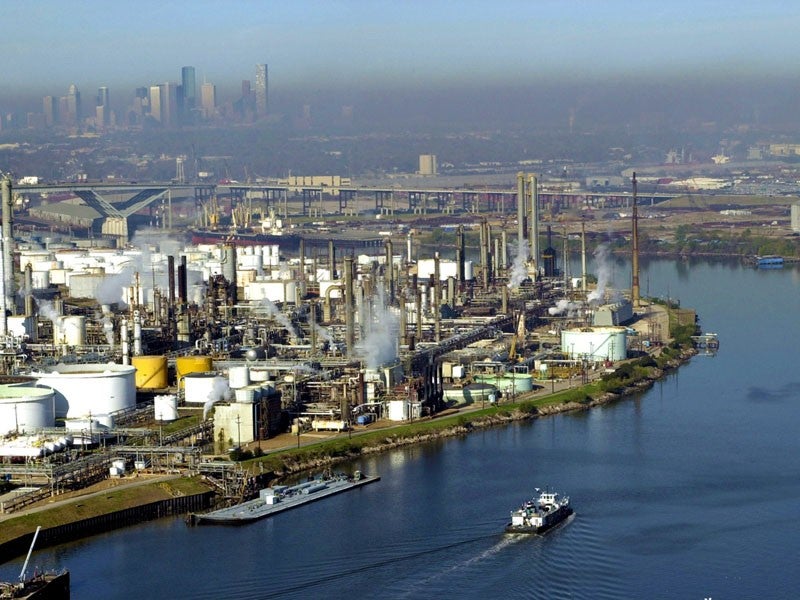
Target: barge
279	498
540	514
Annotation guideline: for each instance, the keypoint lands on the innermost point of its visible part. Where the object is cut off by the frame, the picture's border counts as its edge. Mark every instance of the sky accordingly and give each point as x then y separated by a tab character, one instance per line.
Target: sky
362	44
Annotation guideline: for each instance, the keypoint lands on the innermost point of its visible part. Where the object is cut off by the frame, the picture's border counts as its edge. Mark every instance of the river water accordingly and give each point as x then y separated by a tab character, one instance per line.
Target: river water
690	490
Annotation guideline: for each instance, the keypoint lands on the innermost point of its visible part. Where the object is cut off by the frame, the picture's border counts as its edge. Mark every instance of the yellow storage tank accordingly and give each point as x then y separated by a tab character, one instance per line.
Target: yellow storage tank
151	372
191	364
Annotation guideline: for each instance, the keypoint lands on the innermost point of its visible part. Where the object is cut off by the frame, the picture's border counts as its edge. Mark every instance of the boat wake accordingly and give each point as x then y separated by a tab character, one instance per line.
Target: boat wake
504	543
377	565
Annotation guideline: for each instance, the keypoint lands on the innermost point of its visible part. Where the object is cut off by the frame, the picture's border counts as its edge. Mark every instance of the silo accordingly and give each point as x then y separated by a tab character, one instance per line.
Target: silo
191	364
89	388
151	372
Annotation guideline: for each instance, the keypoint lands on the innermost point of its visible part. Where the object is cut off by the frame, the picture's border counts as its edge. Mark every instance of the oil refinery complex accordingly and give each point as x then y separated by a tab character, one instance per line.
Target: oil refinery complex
155	358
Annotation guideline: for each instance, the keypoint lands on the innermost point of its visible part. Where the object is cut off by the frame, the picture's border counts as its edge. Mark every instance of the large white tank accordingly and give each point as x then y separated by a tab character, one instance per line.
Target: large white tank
24	409
239	376
595	343
165	408
91	388
73	330
199	388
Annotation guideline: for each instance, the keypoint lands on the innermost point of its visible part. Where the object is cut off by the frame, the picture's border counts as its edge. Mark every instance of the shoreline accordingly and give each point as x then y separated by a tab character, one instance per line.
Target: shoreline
528	408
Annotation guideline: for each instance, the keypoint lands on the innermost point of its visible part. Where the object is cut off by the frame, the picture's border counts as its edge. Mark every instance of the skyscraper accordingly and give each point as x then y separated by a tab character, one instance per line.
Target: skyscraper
189	88
103	112
208	96
262	81
169	104
155	102
74	115
50	106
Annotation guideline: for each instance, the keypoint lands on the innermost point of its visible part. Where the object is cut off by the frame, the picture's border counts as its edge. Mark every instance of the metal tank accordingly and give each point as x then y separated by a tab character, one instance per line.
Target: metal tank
25	409
199	388
191	364
239	376
165	408
73	330
151	372
595	343
93	388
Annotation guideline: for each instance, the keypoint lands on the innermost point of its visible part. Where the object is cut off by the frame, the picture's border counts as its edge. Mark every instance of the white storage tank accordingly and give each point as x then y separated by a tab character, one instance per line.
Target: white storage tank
165	407
200	388
239	376
398	410
40	280
24	409
93	388
595	343
73	330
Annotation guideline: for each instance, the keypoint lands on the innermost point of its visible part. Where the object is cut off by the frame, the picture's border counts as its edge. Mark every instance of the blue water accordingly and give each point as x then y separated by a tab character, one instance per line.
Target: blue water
690	490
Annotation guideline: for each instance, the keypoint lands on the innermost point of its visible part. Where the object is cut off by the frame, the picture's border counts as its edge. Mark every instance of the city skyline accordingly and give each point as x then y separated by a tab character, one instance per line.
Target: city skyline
364	44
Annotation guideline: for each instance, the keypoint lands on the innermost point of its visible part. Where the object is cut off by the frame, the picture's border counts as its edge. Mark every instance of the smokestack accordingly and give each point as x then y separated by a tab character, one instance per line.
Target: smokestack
8	250
349	317
635	250
583	257
332	259
182	284
312	322
171	282
403	318
436	304
390	270
460	254
484	255
503	259
533	184
302	274
521	233
28	290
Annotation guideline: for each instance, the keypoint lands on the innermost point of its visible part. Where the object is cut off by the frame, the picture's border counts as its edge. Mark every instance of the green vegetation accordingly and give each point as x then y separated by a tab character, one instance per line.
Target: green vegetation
109	501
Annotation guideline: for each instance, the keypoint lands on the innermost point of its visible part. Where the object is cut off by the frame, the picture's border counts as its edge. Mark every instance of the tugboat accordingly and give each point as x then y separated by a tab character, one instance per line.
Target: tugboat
540	514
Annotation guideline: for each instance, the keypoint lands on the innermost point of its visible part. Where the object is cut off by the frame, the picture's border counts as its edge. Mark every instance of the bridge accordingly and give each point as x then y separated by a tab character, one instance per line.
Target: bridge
322	200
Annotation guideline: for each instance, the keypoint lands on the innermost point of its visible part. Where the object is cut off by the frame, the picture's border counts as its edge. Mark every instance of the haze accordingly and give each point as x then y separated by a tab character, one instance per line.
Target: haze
467	61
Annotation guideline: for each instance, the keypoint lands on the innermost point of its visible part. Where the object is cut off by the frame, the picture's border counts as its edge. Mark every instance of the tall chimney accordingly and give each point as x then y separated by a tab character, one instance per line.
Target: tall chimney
533	184
349	317
635	250
182	283
8	251
460	257
332	259
521	232
390	270
436	305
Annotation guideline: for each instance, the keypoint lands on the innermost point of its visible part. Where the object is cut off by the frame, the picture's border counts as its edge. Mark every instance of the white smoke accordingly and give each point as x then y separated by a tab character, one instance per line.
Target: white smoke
604	272
323	333
220	391
267	305
48	311
107	322
379	345
564	306
519	269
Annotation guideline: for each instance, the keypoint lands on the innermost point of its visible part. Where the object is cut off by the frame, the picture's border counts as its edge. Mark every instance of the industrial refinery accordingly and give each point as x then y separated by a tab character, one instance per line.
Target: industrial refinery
162	355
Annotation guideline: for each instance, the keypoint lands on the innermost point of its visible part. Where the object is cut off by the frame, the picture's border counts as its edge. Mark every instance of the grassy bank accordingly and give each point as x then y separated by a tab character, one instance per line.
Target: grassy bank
107	501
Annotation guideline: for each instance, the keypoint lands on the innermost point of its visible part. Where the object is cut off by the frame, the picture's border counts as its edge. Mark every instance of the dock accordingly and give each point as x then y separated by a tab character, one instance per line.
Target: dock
277	499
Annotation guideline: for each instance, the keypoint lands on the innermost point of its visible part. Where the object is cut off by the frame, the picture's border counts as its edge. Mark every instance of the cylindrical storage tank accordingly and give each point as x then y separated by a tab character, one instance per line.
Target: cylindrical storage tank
93	388
191	364
245	395
260	375
40	280
151	372
165	408
595	343
515	382
199	388
23	409
73	328
239	376
398	410
105	420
